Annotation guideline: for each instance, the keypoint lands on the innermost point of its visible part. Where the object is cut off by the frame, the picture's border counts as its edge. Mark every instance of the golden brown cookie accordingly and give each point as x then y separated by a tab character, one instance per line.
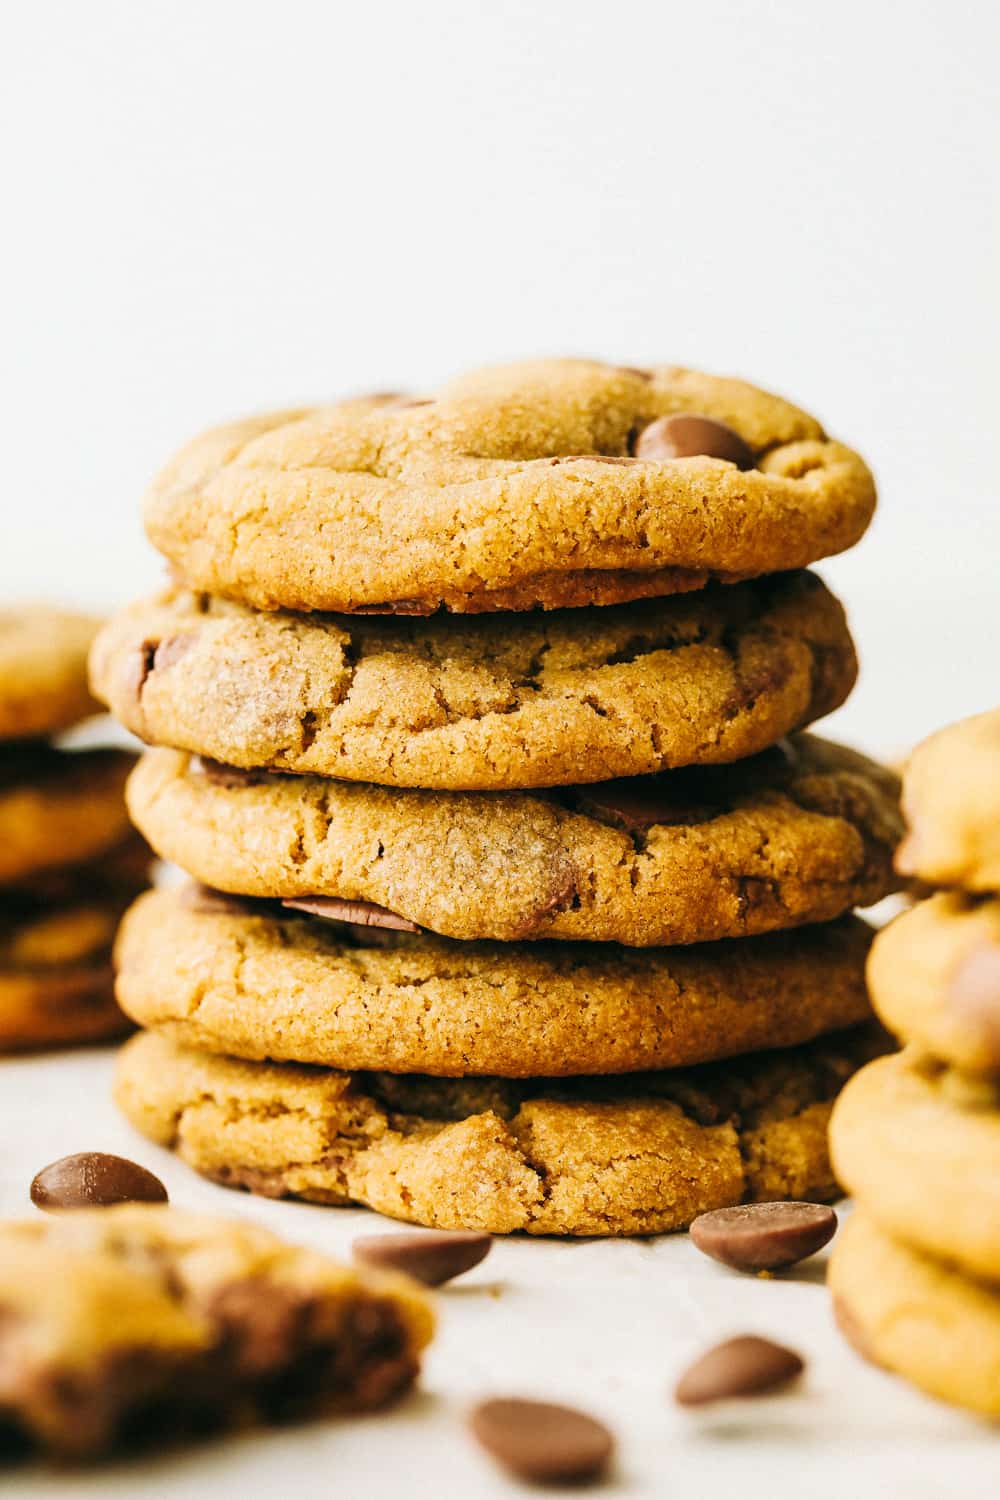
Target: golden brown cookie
917	1316
243	980
935	979
636	1155
553	483
56	933
59	807
492	703
800	833
120	1322
951	798
919	1145
43	670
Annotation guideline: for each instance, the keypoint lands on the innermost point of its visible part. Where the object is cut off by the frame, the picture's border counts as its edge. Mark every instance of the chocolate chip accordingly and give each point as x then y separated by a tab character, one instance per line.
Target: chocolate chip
136	668
974	996
542	1443
687	434
639	804
359	913
431	1256
397	607
93	1179
171	650
592	458
745	1366
220	774
764	1236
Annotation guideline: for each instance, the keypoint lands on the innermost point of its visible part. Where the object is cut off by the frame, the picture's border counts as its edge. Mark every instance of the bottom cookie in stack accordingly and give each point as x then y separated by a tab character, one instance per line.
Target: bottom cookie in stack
488	1121
916	1137
69	866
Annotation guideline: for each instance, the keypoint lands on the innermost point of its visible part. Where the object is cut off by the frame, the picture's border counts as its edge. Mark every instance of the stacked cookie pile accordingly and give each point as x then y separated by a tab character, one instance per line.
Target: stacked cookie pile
69	860
916	1136
477	710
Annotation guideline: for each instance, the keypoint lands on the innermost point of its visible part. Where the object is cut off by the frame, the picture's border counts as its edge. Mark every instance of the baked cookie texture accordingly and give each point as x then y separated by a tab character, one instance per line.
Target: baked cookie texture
59	807
919	1144
952	806
488	704
606	1156
917	1316
140	1322
934	975
799	833
256	984
43	670
518	486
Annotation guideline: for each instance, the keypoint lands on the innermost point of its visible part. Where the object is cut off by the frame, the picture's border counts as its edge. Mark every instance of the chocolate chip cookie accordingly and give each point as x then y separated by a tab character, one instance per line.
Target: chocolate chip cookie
952	805
493	703
598	1156
43	670
59	807
139	1323
917	1316
935	979
919	1144
553	483
799	833
247	980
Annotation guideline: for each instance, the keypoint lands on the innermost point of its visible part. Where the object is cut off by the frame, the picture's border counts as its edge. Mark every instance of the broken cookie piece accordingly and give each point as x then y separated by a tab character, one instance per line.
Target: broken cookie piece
124	1325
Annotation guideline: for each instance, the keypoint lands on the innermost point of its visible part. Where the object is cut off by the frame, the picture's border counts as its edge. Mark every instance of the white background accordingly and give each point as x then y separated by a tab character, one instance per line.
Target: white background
212	206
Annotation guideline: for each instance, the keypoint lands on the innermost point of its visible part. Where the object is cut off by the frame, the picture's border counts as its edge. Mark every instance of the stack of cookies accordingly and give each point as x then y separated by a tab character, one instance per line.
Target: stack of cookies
916	1136
523	903
69	860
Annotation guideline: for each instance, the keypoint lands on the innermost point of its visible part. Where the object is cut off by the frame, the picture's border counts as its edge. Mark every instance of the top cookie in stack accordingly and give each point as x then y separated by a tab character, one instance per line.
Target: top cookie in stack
630	543
69	861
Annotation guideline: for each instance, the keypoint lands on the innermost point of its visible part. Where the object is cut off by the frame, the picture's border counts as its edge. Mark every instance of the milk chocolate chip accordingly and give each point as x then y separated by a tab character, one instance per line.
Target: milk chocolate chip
746	1366
687	434
358	913
764	1236
543	1443
93	1179
433	1257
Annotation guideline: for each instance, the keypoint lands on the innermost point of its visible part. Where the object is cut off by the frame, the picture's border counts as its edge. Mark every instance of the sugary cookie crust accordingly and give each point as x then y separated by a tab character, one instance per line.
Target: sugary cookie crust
917	1316
300	989
639	1155
799	834
951	798
43	670
511	488
494	703
919	1146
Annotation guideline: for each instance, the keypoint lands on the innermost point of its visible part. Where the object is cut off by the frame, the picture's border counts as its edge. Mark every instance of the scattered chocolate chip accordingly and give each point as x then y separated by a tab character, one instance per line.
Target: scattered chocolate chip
745	1366
687	434
171	650
639	804
592	458
359	913
542	1443
230	776
397	607
430	1256
136	668
764	1236
93	1179
974	996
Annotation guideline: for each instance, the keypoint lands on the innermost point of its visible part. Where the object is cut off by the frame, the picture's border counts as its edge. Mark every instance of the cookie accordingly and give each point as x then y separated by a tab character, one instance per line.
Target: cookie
919	1145
56	933
917	1316
299	989
935	979
59	807
553	483
599	1156
43	670
951	798
493	703
799	833
140	1323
